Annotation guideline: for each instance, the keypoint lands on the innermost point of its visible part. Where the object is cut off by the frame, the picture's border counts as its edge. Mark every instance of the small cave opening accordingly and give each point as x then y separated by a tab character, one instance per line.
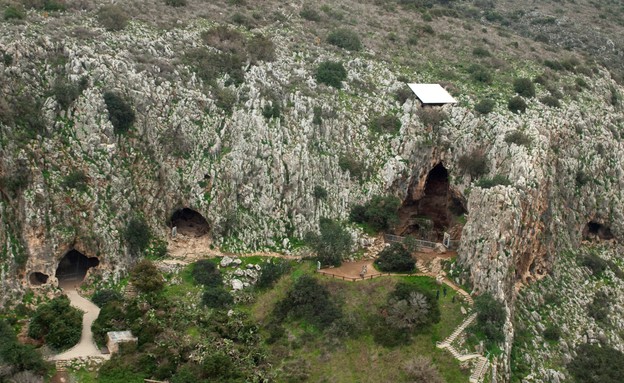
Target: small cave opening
73	267
190	223
37	279
594	229
436	210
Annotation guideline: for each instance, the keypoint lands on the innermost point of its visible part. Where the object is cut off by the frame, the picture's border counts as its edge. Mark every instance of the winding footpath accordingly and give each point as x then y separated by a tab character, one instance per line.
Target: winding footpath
86	348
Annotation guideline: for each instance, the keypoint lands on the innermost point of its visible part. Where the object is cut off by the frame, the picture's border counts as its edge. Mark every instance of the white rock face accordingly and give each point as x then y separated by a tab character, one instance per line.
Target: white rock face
237	284
226	261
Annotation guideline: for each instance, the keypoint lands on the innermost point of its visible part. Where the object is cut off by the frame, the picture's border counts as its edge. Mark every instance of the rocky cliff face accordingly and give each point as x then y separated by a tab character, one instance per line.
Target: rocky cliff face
252	177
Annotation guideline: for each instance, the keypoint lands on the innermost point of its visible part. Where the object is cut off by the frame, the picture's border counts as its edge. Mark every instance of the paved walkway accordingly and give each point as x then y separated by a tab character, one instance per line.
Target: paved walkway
86	347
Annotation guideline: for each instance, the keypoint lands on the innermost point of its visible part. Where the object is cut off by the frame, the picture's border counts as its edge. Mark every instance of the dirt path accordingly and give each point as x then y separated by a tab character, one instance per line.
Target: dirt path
86	347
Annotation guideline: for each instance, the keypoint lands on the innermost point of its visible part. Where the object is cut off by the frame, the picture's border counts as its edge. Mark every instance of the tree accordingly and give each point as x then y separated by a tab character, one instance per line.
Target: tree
516	105
56	322
206	273
146	277
524	87
331	73
597	364
380	213
138	235
333	243
395	258
408	313
120	112
216	297
346	39
491	317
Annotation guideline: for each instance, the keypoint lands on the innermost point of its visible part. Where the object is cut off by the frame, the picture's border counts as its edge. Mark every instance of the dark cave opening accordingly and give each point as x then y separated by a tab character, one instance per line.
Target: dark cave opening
73	266
594	229
437	211
190	223
37	279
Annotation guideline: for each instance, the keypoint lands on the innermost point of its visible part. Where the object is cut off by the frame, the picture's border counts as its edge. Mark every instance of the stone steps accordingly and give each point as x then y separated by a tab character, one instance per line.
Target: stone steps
479	372
61	365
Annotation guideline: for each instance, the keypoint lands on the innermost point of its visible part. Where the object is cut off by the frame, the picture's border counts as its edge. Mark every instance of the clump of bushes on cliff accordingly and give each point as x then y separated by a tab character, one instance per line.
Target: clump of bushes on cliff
332	243
345	38
498	179
380	213
138	235
57	323
120	112
113	17
17	358
485	106
395	258
474	163
331	73
519	138
491	316
386	123
146	277
516	105
596	363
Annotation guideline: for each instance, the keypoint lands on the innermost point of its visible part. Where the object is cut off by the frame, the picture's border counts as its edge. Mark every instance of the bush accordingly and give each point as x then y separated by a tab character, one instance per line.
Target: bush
65	93
138	235
346	39
261	48
395	258
212	65
332	244
113	17
480	74
227	40
57	323
431	117
475	163
310	13
216	297
516	105
485	106
551	101
13	13
206	273
524	87
16	356
385	124
491	317
499	179
355	168
320	193
422	370
403	94
331	73
120	112
552	333
225	99
271	272
599	307
309	301
596	264
76	180
481	52
519	138
597	364
104	296
176	3
272	110
406	290
146	277
380	213
112	317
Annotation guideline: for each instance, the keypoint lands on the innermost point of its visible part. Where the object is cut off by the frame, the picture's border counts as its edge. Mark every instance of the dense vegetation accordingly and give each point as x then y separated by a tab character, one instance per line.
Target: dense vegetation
18	361
380	213
597	364
332	244
57	323
395	258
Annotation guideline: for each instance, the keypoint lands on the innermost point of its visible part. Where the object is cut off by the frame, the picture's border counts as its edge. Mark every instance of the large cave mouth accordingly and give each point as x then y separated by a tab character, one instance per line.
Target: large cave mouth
594	229
73	266
437	210
190	223
37	279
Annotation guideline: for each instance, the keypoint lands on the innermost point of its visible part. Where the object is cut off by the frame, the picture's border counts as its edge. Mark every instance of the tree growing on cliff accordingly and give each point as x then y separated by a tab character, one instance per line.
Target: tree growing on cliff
137	235
146	277
57	323
491	318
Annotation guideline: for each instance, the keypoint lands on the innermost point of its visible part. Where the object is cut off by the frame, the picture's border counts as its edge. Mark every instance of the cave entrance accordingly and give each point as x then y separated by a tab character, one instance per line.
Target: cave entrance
433	209
594	229
37	279
73	267
190	223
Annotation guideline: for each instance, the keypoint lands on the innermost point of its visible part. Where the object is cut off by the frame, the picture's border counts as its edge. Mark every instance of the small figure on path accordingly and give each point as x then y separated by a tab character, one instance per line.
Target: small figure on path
444	291
318	265
438	294
174	231
363	272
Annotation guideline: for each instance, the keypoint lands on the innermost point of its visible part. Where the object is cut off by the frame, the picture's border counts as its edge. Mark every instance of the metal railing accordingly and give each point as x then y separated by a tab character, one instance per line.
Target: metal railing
390	238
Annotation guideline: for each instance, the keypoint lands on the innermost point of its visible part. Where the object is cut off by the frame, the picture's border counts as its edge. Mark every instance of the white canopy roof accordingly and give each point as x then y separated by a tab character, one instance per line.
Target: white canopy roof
432	94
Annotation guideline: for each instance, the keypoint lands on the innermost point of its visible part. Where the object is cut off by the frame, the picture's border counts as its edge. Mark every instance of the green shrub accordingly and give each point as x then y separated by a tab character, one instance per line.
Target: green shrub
309	301
524	87
552	333
355	168
176	3
206	273
403	94
498	179
385	124
481	52
225	39
120	113
599	307
485	106
551	101
104	296
65	93
516	105
475	163
138	235
581	83
271	272
491	318
320	193
261	48
13	13
422	370
225	99
58	323
480	74
77	180
332	244
310	13
380	213
272	110
395	258
331	73
146	277
112	318
18	357
216	297
113	17
595	363
345	38
519	138
209	65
